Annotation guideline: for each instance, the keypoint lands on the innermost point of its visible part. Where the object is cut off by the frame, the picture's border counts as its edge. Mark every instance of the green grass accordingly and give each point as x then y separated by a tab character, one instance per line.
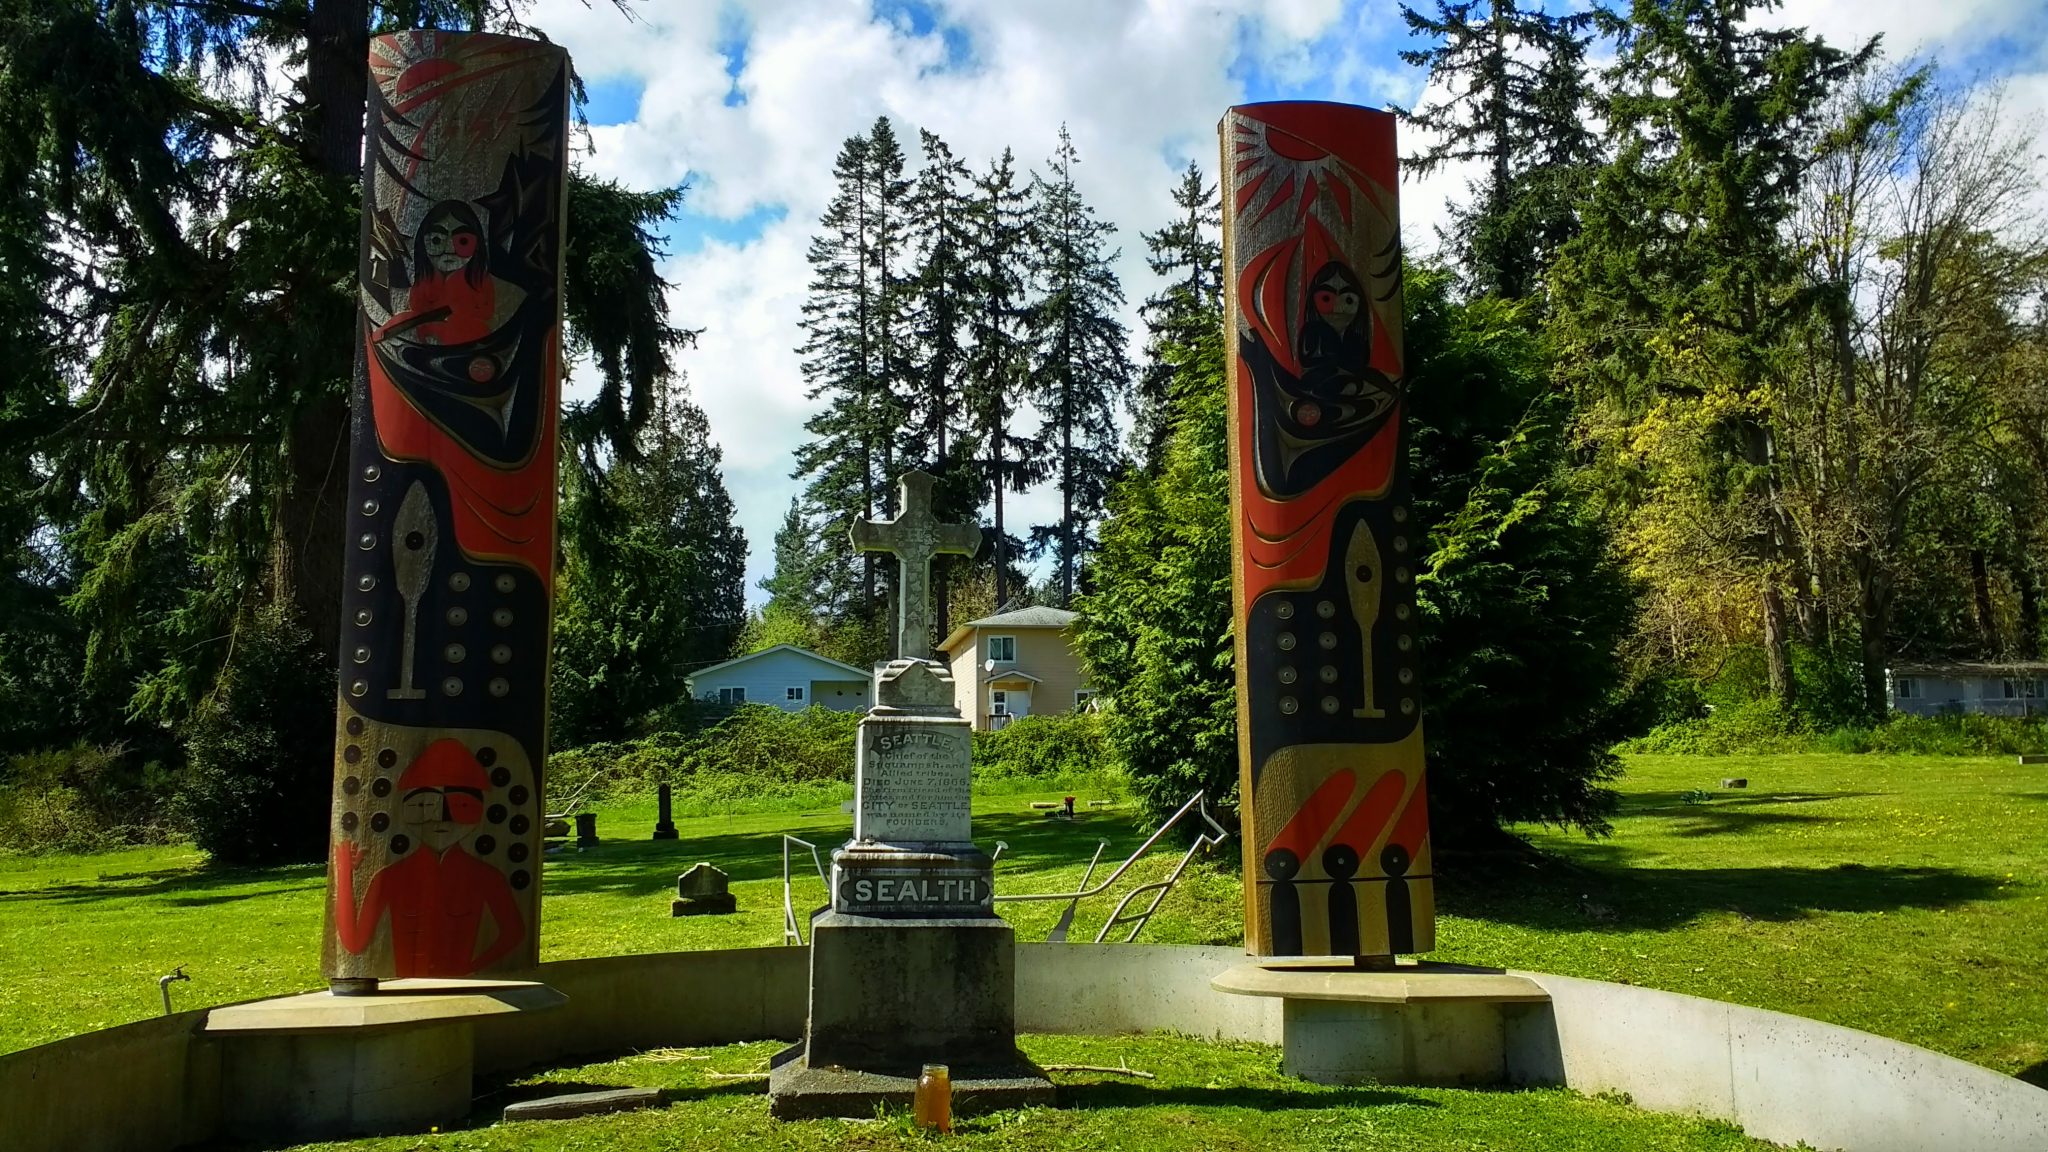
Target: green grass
1906	896
1207	1095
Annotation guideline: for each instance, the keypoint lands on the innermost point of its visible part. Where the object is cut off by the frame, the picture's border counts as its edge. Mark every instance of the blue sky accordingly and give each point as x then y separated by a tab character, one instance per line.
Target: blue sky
748	102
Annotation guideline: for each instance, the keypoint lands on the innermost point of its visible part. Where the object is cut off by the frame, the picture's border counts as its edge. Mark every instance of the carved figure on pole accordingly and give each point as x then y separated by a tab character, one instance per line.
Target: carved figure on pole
915	536
435	868
1336	819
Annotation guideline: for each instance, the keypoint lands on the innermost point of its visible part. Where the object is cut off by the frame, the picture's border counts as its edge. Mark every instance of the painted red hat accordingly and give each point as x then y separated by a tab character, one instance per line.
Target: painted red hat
444	764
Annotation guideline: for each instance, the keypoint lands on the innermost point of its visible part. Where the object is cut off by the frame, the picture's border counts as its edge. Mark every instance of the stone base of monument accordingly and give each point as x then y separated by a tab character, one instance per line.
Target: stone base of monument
1419	1024
321	1066
890	995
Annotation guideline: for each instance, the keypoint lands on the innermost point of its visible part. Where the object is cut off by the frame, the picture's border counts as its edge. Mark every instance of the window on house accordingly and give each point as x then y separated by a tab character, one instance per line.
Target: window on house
1908	688
1003	649
1083	697
796	694
732	695
998	702
2012	689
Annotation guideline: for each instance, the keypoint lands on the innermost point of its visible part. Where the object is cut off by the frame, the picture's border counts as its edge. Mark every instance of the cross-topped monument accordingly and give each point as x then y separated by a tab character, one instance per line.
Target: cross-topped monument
910	964
915	536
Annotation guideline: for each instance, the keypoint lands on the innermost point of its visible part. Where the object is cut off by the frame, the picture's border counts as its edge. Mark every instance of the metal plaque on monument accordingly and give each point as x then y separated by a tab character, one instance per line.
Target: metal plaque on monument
911	965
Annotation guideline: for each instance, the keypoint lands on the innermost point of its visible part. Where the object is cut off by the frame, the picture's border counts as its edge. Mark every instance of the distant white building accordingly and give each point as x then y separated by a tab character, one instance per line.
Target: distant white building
785	677
1948	689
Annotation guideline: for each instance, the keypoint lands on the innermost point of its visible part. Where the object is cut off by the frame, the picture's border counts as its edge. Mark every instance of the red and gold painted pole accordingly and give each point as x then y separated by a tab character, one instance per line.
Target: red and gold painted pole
435	867
1336	824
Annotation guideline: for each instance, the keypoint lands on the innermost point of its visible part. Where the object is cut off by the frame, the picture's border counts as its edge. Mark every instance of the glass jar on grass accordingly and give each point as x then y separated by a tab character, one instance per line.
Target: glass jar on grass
932	1107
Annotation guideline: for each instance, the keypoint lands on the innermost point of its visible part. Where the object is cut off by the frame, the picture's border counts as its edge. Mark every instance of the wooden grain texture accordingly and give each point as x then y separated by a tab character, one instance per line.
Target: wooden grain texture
438	780
1336	835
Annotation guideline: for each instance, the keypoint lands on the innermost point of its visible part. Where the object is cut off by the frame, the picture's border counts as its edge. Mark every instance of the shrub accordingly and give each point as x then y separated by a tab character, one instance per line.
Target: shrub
86	798
259	754
1760	726
762	758
1056	751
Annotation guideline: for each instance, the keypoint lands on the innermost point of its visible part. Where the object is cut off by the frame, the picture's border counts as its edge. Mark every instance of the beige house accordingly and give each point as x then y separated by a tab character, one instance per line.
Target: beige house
1015	664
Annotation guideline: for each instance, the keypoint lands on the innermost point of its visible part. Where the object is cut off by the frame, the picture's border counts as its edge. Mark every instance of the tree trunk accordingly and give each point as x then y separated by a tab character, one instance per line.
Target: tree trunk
311	518
2025	579
1980	587
1874	615
1777	646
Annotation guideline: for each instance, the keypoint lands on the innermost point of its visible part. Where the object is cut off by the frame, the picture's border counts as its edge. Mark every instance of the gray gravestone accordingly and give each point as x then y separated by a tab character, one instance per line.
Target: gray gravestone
702	891
911	965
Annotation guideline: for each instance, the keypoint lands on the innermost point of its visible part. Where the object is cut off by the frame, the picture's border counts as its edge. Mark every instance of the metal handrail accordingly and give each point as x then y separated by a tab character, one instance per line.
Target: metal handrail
790	929
1159	889
1198	800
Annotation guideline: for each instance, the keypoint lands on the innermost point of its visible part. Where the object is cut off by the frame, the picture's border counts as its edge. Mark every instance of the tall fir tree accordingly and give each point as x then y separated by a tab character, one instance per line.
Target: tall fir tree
1520	98
1081	370
998	358
196	259
1684	237
1188	254
653	578
856	361
940	299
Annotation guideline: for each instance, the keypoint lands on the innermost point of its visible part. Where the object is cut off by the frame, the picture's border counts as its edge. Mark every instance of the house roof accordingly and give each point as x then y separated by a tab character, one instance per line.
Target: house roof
825	660
1020	618
1012	674
1965	668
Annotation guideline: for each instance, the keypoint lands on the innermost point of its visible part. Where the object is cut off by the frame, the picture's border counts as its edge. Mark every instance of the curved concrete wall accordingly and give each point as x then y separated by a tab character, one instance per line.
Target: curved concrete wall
156	1084
1783	1078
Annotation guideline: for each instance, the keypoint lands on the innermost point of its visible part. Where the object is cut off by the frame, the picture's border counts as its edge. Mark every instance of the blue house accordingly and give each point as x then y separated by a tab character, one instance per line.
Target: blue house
785	677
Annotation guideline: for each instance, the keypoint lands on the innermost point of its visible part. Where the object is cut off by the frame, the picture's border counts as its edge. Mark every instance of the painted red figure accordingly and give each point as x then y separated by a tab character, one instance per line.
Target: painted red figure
437	895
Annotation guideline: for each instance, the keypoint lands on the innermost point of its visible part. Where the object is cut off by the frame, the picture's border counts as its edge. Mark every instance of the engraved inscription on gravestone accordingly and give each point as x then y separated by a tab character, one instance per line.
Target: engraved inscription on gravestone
913	783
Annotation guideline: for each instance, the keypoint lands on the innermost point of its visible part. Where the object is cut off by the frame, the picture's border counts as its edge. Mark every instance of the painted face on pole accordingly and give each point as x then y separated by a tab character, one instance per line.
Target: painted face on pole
1329	722
443	710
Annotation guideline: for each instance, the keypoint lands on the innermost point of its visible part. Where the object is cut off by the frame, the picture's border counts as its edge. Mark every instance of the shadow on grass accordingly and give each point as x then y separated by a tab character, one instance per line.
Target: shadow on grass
1610	896
1123	1094
190	886
2037	1075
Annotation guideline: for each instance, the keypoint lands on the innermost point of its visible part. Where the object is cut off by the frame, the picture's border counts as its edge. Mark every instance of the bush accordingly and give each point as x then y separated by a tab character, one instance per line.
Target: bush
86	798
764	759
1760	726
1752	726
259	757
1066	750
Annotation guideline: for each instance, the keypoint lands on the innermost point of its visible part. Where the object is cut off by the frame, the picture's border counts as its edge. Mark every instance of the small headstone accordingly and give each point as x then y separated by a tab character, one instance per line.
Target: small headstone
1735	782
702	892
2033	758
584	1104
586	829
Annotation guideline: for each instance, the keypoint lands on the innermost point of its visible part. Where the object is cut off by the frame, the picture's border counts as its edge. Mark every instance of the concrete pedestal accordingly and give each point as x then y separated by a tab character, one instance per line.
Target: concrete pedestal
1423	1024
891	995
320	1066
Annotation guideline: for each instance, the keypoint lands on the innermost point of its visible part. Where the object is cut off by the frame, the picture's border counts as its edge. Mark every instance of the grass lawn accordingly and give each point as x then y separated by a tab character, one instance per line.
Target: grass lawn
1207	1095
1907	896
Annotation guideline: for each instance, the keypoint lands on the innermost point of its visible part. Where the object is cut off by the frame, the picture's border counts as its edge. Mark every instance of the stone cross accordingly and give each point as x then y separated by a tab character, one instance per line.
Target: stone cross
915	537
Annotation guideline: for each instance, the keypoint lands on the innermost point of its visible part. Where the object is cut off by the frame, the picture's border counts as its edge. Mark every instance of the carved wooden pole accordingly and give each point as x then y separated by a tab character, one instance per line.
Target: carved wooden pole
435	868
1336	825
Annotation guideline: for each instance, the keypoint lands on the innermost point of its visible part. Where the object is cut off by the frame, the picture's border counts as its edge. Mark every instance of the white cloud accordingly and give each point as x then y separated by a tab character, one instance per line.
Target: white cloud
1140	84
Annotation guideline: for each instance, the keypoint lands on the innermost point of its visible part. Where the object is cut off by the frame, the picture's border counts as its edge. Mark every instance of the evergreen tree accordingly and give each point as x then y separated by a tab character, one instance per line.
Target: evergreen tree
940	298
1523	606
998	360
194	250
653	579
1081	369
1188	254
857	359
1684	239
1520	101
